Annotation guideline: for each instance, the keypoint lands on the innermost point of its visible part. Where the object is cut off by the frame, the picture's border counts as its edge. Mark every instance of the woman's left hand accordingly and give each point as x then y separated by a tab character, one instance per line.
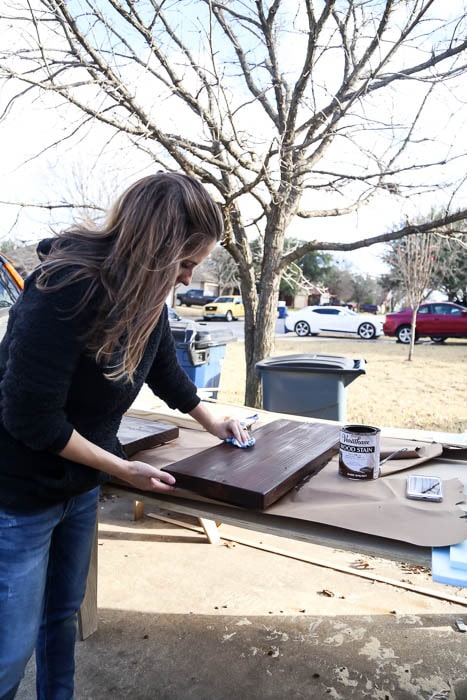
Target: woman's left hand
230	428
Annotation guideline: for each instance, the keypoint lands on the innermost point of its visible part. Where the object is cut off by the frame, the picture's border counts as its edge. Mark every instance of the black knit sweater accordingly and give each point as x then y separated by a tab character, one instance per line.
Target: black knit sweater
50	385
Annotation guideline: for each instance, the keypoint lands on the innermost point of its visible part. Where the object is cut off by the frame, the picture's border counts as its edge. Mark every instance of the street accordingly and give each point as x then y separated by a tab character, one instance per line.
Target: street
237	328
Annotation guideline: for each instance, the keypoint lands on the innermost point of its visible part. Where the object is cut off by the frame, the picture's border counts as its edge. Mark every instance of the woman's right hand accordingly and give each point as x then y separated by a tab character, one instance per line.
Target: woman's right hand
147	478
138	474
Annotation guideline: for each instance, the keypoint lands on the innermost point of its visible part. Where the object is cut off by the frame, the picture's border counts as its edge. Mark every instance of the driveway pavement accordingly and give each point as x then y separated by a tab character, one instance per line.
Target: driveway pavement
180	618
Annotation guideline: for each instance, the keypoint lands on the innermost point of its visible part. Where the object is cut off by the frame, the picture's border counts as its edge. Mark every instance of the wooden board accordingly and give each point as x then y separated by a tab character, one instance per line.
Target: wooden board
285	452
137	434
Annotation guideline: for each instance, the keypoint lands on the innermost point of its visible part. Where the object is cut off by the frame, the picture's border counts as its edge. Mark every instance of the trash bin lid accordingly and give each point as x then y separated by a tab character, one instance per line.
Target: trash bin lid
182	331
211	338
311	363
191	333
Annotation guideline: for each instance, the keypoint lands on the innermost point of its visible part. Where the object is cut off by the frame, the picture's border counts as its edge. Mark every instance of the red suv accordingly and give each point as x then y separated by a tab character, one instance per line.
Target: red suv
438	320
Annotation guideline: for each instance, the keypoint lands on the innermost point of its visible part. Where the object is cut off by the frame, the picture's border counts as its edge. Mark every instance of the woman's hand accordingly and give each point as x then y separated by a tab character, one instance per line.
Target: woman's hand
138	474
147	478
230	428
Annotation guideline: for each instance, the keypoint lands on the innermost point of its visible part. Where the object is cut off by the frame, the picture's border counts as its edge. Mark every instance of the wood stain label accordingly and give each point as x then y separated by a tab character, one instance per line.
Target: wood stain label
359	452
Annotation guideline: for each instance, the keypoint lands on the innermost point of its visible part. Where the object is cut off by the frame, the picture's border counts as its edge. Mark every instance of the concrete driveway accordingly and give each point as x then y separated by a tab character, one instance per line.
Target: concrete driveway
180	618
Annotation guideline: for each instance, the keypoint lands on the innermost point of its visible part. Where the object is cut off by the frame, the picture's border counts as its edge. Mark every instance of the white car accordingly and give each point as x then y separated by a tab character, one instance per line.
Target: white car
312	320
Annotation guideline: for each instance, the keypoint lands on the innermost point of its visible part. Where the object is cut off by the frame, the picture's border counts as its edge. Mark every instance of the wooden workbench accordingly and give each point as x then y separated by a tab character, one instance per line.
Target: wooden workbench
292	528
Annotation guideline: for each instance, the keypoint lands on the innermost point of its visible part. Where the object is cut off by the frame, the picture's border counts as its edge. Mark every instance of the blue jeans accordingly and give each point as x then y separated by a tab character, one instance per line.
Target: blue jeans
44	562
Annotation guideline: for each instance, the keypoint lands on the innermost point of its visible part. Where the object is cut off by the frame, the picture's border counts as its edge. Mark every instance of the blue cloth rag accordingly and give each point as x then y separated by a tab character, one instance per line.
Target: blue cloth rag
233	441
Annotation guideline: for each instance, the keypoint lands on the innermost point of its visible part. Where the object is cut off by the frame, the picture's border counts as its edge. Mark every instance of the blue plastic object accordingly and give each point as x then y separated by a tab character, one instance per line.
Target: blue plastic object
458	555
203	366
200	352
442	570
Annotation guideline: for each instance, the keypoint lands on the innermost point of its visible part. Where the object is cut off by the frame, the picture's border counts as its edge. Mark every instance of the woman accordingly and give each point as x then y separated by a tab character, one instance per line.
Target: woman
89	329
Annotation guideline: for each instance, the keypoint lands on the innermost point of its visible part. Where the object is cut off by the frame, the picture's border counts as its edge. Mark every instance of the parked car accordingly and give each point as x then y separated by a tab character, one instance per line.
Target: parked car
312	320
194	297
228	308
11	284
173	315
368	308
437	320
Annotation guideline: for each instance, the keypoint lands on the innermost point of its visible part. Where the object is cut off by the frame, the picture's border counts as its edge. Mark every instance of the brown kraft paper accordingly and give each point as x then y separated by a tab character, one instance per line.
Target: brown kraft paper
377	507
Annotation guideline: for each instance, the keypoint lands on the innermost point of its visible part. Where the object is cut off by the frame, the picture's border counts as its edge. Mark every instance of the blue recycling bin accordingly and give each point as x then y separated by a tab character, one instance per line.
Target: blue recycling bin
309	384
282	309
200	352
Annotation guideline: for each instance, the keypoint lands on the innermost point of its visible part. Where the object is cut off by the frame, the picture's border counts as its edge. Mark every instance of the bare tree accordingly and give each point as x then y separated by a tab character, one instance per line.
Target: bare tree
450	270
415	257
297	281
289	111
223	268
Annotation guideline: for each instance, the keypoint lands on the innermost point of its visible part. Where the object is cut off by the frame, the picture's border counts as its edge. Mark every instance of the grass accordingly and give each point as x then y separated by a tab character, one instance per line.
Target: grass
428	393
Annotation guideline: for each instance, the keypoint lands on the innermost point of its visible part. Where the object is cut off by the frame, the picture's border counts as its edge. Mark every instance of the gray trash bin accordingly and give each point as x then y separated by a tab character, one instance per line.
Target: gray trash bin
308	385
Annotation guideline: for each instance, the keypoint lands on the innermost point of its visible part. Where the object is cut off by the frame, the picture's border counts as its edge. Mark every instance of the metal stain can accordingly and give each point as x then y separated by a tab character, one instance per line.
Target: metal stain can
359	452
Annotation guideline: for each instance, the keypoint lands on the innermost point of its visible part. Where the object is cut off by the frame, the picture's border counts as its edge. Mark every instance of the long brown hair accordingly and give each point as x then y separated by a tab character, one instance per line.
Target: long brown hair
133	258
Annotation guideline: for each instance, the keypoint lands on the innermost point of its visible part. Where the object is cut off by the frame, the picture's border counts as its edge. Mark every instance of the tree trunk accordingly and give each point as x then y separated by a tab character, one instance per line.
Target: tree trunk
259	335
259	343
412	332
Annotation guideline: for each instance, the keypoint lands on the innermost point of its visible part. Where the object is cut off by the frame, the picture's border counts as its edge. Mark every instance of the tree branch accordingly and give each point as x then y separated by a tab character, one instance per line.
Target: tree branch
408	230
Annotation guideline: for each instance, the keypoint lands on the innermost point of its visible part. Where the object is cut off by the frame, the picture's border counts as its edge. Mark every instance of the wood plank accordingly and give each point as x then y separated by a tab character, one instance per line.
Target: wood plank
290	528
137	434
138	510
87	614
210	530
285	452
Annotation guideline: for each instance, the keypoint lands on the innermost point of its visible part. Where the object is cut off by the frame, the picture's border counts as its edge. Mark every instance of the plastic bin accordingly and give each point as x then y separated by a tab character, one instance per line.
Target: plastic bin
200	352
282	309
308	385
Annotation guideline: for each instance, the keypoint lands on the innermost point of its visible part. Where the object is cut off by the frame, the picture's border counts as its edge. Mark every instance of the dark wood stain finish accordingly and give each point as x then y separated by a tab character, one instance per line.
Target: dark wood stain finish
137	434
285	452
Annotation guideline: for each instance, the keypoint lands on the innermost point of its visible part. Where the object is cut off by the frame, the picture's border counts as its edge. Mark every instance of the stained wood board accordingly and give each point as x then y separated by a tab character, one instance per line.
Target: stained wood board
137	434
285	452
